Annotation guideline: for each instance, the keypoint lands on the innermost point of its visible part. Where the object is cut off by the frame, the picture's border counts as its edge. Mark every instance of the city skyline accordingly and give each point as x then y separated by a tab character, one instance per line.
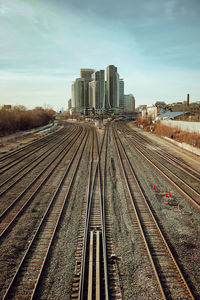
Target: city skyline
154	44
97	92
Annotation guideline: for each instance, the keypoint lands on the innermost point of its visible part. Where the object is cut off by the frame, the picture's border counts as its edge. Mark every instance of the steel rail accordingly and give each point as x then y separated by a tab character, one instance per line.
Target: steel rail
175	159
22	148
28	273
13	215
159	167
43	156
102	175
41	141
166	270
94	173
167	156
16	151
17	160
85	240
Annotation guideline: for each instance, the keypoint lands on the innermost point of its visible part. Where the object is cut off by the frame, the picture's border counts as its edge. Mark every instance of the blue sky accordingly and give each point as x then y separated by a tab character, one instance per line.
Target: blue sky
43	44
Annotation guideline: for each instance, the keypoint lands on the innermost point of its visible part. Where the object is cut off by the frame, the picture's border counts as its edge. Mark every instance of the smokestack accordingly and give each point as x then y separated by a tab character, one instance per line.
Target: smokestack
188	100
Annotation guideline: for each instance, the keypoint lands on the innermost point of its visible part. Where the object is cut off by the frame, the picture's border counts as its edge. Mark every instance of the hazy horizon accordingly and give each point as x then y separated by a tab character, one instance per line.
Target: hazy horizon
45	43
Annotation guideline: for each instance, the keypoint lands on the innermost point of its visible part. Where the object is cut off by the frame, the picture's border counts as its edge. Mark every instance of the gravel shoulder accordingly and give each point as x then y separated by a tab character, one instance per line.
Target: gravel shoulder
182	231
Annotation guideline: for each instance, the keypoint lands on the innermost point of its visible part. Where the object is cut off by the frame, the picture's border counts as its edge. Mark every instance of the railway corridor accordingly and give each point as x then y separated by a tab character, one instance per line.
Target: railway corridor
80	219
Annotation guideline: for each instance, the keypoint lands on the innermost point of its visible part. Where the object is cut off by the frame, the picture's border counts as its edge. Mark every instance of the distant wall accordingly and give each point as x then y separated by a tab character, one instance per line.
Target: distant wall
185	126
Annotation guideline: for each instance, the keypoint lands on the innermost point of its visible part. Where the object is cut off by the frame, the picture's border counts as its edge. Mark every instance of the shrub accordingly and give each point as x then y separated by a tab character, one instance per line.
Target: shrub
177	134
19	118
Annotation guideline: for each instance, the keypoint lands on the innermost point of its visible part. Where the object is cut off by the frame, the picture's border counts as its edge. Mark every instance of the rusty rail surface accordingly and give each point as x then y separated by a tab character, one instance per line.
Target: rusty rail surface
26	278
169	277
18	155
92	284
146	142
27	168
9	215
186	189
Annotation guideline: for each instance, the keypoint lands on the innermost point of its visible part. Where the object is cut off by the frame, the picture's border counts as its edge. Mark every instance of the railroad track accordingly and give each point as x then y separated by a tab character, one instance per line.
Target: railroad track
168	157
11	212
15	177
169	278
26	278
184	187
95	274
10	160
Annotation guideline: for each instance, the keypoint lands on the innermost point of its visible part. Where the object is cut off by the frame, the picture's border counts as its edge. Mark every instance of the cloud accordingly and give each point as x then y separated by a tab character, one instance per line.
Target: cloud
46	42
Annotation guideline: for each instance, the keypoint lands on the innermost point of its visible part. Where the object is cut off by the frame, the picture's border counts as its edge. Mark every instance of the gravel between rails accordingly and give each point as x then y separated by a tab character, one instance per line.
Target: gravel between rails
136	278
182	231
57	277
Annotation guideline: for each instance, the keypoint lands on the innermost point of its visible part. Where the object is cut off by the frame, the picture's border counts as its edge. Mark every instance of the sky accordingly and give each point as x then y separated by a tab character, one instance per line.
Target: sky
155	45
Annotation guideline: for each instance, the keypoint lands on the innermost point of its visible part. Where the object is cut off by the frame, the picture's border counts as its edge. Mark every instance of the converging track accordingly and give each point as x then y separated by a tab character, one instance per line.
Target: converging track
25	279
93	280
182	176
170	280
12	211
75	207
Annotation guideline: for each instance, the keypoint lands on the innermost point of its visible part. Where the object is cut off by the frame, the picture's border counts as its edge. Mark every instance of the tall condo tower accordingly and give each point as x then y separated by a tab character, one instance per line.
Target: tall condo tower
112	87
78	89
121	93
97	90
129	103
87	75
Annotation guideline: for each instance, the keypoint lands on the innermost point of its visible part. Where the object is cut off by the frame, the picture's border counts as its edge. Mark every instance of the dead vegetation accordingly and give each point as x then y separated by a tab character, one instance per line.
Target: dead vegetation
177	134
170	132
19	118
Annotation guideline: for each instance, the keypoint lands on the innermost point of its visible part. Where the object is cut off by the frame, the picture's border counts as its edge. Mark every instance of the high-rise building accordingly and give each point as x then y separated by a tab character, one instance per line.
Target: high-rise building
121	93
69	104
97	90
87	75
112	87
78	89
129	103
92	93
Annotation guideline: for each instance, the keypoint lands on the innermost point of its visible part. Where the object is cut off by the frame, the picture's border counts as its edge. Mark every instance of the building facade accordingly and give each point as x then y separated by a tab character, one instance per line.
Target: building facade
150	113
92	94
69	104
87	75
97	90
112	87
121	93
129	103
78	91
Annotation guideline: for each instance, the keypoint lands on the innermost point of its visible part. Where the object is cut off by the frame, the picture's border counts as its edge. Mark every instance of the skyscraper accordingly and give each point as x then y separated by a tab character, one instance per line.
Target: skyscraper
129	103
112	87
87	75
121	93
92	93
78	89
97	90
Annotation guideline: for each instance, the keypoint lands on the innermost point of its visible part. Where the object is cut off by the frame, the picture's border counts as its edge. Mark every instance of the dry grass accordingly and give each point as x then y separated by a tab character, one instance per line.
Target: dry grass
178	135
171	132
19	118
